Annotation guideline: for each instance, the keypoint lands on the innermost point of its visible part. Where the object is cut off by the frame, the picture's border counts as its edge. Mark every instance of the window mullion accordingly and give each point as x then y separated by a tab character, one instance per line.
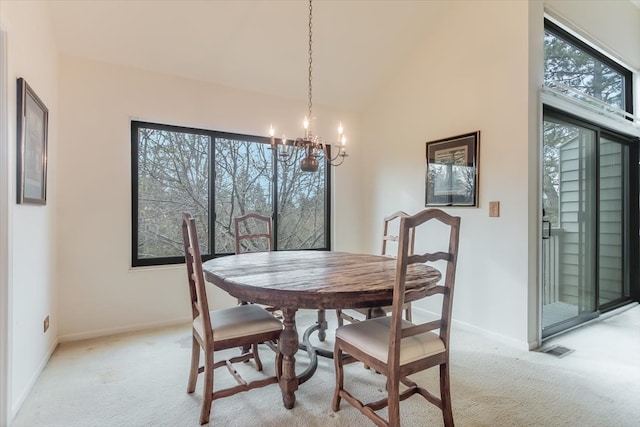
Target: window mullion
212	195
274	197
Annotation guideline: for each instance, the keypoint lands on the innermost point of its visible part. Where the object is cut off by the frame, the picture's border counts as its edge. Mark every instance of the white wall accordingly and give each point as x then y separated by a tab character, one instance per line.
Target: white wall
32	231
99	292
482	70
471	75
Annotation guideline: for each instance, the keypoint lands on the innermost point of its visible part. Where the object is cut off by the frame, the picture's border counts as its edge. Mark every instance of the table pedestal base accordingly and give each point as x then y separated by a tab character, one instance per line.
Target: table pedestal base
287	347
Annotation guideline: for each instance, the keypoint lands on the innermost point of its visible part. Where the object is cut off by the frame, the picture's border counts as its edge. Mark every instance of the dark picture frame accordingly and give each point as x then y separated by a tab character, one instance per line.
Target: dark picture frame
32	135
452	171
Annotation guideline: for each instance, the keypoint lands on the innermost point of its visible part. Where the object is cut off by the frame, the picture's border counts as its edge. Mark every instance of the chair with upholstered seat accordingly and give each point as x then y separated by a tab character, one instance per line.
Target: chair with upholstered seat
387	236
395	347
242	326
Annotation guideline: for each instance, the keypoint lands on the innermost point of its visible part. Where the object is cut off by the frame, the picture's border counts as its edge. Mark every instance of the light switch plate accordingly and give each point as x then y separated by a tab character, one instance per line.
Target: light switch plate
494	209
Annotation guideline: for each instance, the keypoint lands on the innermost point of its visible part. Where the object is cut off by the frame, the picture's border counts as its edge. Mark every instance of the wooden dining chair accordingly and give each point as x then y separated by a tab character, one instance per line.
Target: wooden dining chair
397	348
387	236
252	233
239	326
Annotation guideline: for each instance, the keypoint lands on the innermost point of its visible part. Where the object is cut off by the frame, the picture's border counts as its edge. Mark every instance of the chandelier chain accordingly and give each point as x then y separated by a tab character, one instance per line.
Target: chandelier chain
310	64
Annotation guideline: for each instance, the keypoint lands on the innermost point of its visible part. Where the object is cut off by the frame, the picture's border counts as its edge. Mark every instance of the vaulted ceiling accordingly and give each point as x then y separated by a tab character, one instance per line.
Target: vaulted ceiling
255	45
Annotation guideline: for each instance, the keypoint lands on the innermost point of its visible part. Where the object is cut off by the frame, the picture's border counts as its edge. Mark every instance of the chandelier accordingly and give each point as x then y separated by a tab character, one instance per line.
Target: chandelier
313	145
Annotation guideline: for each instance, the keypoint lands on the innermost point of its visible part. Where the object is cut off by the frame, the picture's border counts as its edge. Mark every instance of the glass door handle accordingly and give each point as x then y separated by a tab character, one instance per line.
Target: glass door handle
548	224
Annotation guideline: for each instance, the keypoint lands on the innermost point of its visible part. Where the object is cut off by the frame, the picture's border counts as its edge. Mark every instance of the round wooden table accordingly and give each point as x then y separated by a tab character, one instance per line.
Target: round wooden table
293	280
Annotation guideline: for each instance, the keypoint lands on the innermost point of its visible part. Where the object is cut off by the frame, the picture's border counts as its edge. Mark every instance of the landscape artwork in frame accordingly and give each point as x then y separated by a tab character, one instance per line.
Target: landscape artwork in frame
33	118
452	171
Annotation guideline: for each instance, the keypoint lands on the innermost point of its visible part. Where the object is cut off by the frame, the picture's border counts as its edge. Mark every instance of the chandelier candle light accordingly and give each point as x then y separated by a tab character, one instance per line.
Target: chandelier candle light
313	145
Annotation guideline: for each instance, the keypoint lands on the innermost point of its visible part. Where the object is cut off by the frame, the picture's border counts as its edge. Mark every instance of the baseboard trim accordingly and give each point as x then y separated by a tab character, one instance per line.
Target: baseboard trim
519	345
17	403
122	330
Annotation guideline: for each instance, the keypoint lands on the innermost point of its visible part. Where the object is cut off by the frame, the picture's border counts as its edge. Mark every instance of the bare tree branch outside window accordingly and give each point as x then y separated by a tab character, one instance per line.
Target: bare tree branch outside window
174	176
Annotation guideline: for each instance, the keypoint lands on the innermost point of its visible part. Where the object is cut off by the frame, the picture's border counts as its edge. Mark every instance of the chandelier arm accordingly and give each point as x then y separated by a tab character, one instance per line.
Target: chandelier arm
285	154
287	159
332	163
341	154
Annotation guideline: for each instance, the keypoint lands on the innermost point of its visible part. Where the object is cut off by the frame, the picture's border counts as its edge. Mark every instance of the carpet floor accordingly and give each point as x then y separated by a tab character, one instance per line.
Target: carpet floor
139	379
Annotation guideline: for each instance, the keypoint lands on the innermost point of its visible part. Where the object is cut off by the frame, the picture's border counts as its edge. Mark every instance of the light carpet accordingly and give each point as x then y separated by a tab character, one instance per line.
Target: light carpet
139	379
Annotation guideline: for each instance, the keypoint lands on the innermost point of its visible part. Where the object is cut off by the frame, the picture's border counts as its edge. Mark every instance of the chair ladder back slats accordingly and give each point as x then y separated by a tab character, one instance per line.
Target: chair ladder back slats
244	233
421	328
427	257
388	237
437	289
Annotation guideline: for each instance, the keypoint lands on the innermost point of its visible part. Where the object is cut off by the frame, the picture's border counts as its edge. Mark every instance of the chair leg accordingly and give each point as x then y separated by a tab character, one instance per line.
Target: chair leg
207	389
337	359
195	364
393	398
256	356
445	395
339	316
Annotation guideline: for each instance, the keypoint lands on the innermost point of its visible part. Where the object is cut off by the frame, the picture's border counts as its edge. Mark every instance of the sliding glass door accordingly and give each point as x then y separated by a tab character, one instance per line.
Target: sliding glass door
585	222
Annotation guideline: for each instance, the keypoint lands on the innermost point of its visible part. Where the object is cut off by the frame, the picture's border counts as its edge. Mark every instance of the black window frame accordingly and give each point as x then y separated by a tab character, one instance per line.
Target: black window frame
562	34
136	261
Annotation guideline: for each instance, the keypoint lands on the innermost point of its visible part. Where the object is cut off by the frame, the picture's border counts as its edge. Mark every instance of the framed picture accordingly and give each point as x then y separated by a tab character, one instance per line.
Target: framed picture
452	171
33	117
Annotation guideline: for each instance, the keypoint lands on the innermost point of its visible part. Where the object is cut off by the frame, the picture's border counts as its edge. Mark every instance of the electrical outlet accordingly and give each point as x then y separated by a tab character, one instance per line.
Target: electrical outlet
46	323
494	209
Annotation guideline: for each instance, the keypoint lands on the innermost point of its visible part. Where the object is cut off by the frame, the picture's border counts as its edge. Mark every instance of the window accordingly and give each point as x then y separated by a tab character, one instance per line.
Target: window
579	70
217	176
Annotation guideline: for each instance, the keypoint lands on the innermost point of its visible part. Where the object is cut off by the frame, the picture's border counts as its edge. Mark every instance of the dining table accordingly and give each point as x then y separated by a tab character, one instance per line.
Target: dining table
313	279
